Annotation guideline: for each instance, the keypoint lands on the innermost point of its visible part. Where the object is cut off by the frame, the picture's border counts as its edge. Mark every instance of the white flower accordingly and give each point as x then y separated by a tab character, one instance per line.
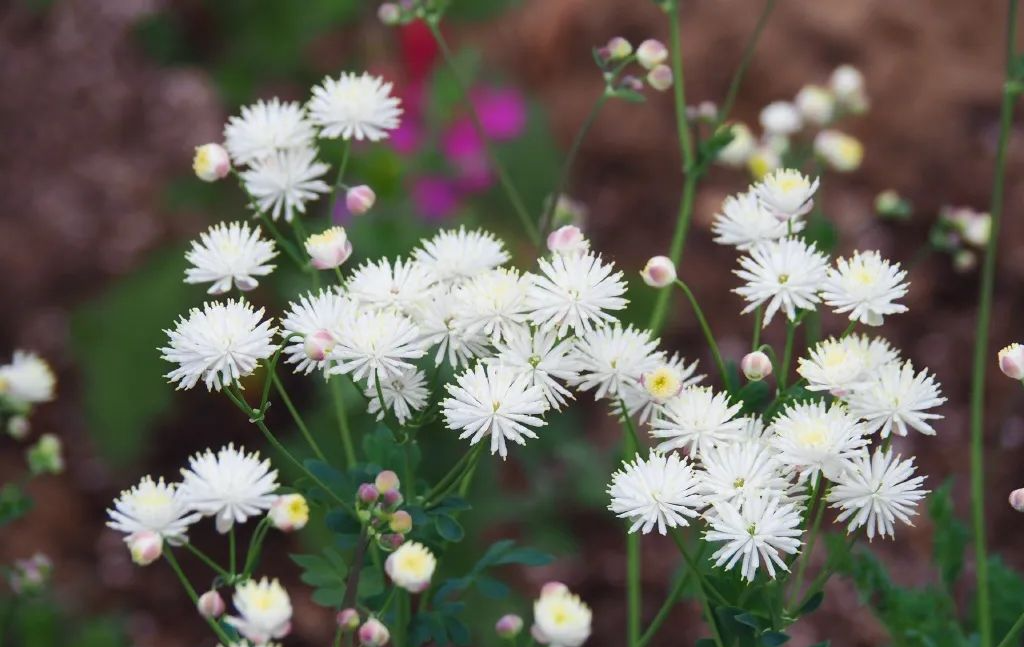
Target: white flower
866	286
229	253
265	128
403	394
229	485
661	491
311	314
787	193
744	223
877	490
375	344
411	566
541	356
153	506
264	610
289	512
840	151
659	385
354	107
452	256
219	344
781	118
786	274
758	533
740	471
874	352
492	303
282	184
492	401
848	84
614	358
696	418
898	398
402	285
437	323
816	104
28	379
832	365
814	439
560	618
575	293
740	147
328	249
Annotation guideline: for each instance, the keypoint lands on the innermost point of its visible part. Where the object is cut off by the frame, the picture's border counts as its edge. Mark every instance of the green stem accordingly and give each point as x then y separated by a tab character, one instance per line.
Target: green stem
660	312
632	445
299	422
708	335
453	475
499	168
634	592
1013	632
343	426
741	69
232	551
758	319
206	559
284	243
787	354
9	614
666	608
702	588
818	506
1011	90
255	545
214	625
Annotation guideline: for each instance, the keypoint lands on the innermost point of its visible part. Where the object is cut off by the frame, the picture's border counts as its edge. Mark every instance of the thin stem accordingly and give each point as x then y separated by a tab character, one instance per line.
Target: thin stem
702	588
453	476
1011	90
670	601
232	551
285	244
633	439
787	355
299	422
818	506
748	55
708	335
343	426
660	311
206	559
503	175
634	592
214	625
255	544
1013	632
758	319
570	158
352	582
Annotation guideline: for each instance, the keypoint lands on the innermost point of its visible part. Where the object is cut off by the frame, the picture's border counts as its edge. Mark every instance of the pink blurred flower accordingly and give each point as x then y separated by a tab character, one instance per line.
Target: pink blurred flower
435	196
502	112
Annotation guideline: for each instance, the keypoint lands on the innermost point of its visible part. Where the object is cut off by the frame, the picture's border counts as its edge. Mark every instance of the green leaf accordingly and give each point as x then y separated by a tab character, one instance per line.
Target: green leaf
449	528
325	573
491	587
812	604
949	541
14	503
632	96
774	638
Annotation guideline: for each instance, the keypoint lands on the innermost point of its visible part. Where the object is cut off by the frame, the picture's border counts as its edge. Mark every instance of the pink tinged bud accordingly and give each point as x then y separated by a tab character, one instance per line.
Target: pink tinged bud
387	481
367	493
651	53
329	249
553	588
660	77
392	541
18	427
373	634
618	48
508	626
146	547
391	499
1011	361
348	619
567	240
1017	500
318	345
211	604
389	14
659	272
631	82
756	366
401	522
360	199
211	162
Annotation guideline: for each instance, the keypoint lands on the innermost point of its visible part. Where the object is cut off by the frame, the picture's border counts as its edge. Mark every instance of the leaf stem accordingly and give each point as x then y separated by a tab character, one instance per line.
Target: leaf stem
299	422
708	335
206	559
741	69
214	625
702	588
343	427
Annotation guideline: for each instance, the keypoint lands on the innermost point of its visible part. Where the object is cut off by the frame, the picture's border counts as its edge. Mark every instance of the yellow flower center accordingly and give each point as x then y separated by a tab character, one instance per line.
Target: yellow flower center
663	383
813	435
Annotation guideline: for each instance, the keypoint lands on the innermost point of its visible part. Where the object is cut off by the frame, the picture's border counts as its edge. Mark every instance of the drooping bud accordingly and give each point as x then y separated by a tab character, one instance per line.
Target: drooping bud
18	427
46	456
146	547
389	14
348	619
1017	500
659	272
318	345
211	604
400	522
651	53
360	199
367	493
508	626
1011	361
756	366
211	162
660	77
568	240
373	634
618	48
289	512
329	249
387	481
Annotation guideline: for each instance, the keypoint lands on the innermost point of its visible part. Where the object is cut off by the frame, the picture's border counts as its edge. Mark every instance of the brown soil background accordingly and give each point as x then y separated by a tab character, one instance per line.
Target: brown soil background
92	130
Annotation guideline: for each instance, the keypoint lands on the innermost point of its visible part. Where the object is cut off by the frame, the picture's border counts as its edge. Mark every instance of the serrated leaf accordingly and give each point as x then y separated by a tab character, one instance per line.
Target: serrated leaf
329	597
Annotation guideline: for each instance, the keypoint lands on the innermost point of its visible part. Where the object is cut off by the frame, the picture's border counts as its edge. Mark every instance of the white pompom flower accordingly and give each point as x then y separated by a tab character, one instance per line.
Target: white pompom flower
832	365
153	506
575	293
759	533
403	285
456	255
659	386
898	398
661	492
492	304
265	128
782	275
264	610
230	486
229	254
411	566
403	395
282	184
544	358
696	419
560	618
787	193
740	471
876	491
355	106
866	286
313	313
27	380
743	223
613	359
438	326
814	439
375	344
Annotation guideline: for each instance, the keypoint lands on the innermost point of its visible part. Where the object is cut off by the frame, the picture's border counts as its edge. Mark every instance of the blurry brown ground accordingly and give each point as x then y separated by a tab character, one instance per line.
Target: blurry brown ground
91	131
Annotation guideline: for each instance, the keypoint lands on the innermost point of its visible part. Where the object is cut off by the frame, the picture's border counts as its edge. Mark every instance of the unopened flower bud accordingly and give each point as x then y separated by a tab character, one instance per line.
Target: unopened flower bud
18	427
373	634
289	512
816	104
964	261
211	162
508	626
387	481
318	345
211	604
568	240
401	522
391	499
359	199
46	457
367	493
329	249
651	52
847	83
1011	361
781	118
659	272
29	576
389	14
740	147
553	588
618	48
1017	500
391	541
660	77
146	547
756	366
348	619
889	204
630	82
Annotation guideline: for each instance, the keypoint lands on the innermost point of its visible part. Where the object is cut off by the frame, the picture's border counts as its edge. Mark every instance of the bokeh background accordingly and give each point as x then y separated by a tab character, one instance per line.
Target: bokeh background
104	100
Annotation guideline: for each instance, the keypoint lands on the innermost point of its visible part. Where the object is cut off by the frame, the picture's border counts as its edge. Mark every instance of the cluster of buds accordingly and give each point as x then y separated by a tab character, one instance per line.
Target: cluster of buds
960	232
377	505
29	576
618	53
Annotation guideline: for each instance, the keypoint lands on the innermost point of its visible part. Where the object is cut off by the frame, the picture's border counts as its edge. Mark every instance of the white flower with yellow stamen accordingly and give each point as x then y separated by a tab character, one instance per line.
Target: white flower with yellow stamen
814	440
27	380
229	254
265	128
560	618
411	566
264	610
544	358
816	104
289	512
897	398
832	366
738	471
611	360
493	304
758	533
696	419
840	151
575	293
782	275
866	286
659	385
153	506
355	107
375	344
661	492
787	193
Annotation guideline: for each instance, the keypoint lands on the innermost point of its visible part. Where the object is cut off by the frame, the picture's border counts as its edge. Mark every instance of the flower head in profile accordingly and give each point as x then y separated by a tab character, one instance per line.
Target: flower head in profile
265	128
375	344
560	618
896	399
403	395
743	223
787	193
27	379
355	106
815	439
329	248
153	506
314	313
876	491
229	254
756	535
282	184
264	610
230	486
494	401
544	358
612	360
575	293
455	255
411	566
781	275
866	286
832	365
661	492
219	344
696	419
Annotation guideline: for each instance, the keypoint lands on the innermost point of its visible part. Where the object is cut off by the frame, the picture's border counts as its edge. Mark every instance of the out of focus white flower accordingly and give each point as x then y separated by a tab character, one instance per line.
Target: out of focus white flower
229	485
847	84
814	439
560	618
375	344
575	293
493	303
872	352
403	394
696	419
613	359
660	77
455	255
658	386
354	106
840	151
658	492
782	275
763	160
781	118
27	380
544	358
877	490
402	285
787	193
329	249
816	104
898	398
1011	361
740	147
651	52
411	566
229	254
493	401
744	223
266	128
264	610
973	226
153	506
211	162
313	314
283	183
219	344
866	286
759	534
289	512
